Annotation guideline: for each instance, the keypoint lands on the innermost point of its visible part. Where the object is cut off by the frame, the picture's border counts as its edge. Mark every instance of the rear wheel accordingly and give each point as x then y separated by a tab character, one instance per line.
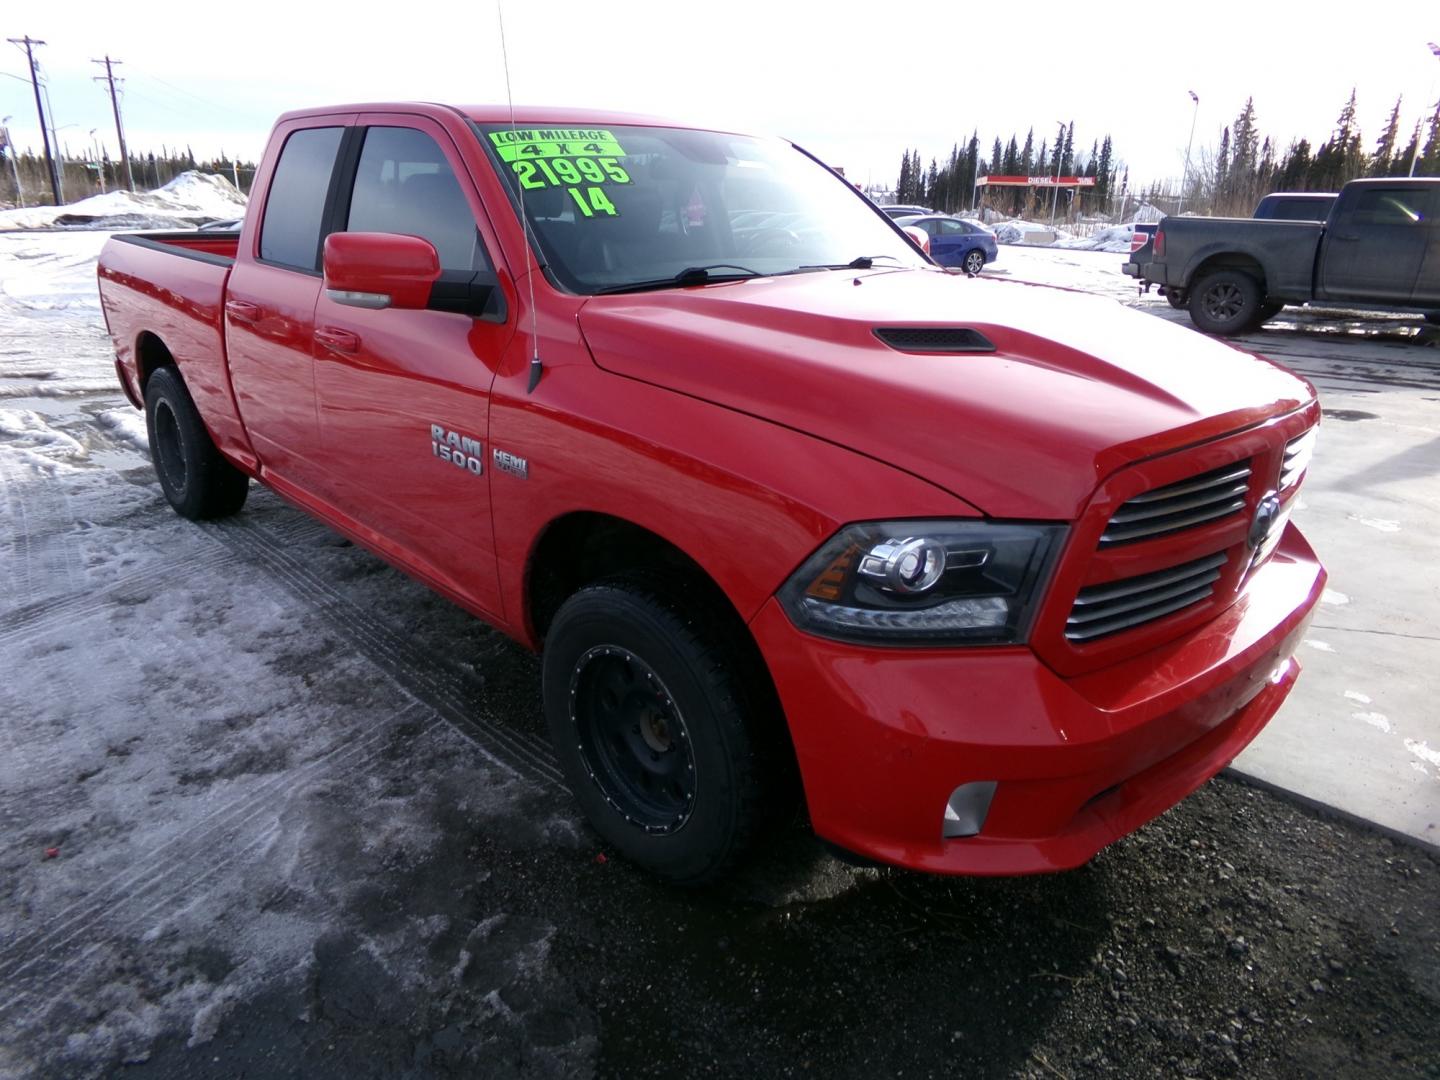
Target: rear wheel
974	261
1226	302
196	479
652	723
1177	299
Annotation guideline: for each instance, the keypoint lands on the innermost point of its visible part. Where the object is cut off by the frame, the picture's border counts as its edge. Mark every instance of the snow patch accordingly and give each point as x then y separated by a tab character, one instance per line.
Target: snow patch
1330	596
1116	240
1374	719
1357	697
126	424
1380	524
192	198
1423	752
1320	646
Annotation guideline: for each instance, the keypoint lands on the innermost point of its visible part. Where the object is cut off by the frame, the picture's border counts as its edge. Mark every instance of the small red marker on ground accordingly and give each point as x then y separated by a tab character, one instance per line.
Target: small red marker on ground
52	852
601	859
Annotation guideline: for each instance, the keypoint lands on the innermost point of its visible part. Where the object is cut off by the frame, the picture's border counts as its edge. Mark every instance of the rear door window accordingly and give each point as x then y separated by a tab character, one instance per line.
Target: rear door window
404	184
1390	206
295	205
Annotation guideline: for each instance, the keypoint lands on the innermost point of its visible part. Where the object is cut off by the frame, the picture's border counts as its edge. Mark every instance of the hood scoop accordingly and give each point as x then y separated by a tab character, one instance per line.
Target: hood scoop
934	339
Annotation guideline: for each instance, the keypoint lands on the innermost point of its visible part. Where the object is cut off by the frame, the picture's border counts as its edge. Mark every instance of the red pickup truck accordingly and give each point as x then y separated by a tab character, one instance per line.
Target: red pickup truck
995	573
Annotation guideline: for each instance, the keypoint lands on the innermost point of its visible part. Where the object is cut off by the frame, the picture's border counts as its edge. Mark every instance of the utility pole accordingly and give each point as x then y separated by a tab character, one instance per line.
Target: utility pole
1193	117
109	77
29	43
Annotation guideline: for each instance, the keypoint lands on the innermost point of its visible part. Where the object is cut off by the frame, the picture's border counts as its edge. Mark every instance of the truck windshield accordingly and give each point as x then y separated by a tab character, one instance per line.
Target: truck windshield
621	207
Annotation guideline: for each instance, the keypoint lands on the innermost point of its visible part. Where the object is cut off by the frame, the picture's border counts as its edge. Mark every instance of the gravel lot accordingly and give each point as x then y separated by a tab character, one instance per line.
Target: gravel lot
271	809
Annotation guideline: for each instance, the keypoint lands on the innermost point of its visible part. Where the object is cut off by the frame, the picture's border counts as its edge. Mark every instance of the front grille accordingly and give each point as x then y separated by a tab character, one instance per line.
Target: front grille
1297	458
1120	605
1182	505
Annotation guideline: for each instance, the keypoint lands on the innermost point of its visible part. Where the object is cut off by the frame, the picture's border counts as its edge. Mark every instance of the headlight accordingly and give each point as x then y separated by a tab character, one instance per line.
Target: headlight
924	582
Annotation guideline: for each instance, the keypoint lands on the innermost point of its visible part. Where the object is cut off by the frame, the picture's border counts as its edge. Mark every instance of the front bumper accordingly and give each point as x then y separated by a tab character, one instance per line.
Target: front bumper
884	736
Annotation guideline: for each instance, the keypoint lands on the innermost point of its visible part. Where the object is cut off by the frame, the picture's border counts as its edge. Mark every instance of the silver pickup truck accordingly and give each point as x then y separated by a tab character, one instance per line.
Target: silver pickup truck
1379	249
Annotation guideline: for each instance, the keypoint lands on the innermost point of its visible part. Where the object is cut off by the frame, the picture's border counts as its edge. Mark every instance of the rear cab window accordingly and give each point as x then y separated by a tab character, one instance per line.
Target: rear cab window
290	232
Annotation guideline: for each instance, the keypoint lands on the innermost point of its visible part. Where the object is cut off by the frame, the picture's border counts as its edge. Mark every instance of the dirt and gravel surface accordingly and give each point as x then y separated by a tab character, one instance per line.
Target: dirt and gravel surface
270	809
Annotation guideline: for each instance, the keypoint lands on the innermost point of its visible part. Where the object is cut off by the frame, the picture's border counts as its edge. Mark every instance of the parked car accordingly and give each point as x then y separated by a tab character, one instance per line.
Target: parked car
1296	205
988	574
905	211
957	241
1376	251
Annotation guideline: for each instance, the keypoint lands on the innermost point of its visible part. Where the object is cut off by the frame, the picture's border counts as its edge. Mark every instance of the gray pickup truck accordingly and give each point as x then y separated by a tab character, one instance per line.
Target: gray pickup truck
1379	249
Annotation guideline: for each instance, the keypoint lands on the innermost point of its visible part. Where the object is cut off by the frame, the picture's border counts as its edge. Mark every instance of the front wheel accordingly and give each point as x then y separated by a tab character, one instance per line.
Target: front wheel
652	725
196	479
974	261
1226	302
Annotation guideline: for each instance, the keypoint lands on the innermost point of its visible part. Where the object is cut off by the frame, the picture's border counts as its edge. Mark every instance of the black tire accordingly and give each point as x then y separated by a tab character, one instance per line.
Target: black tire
654	726
1433	318
198	482
974	261
1176	298
1226	302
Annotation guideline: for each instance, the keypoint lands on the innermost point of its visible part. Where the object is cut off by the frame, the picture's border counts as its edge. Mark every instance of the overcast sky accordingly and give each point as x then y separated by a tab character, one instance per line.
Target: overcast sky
855	84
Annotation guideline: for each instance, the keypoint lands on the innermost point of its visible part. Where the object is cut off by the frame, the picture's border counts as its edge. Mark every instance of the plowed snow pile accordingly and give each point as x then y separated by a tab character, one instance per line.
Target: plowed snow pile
192	198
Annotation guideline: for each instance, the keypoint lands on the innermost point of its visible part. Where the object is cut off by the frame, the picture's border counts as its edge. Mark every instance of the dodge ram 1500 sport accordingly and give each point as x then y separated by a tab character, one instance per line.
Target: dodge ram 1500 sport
989	574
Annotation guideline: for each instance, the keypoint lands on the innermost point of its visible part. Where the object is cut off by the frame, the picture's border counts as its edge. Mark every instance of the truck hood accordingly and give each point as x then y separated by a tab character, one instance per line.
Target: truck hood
1076	388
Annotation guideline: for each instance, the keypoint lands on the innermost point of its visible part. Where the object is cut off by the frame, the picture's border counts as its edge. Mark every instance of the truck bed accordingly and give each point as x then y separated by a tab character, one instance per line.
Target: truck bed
170	287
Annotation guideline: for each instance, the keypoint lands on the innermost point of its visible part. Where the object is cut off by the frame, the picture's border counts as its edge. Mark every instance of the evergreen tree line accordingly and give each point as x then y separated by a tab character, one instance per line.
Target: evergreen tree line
1245	167
1228	180
950	186
80	178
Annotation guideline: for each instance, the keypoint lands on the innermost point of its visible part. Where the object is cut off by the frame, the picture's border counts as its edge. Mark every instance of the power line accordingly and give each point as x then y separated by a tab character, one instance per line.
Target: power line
28	44
109	78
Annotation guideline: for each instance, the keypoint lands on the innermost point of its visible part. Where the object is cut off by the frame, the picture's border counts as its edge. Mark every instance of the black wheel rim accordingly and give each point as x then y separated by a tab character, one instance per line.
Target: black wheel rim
632	739
168	448
1223	301
974	262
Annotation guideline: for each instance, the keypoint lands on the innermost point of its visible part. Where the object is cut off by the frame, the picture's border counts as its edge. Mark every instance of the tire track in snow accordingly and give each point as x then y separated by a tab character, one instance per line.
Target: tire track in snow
202	845
43	616
444	690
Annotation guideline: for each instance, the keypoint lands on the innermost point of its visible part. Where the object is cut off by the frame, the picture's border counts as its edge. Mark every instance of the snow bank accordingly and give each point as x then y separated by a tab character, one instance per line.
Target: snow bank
192	198
1115	239
1020	231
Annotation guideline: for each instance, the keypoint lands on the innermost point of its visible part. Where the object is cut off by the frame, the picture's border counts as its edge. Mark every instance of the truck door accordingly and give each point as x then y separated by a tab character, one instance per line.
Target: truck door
270	303
1375	243
404	395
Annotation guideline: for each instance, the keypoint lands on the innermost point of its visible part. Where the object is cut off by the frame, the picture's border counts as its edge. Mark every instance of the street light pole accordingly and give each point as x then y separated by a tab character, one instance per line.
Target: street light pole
14	168
1186	178
1415	154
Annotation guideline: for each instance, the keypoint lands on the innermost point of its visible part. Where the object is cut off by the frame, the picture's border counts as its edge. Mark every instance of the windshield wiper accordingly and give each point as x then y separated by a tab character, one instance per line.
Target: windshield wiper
863	262
691	275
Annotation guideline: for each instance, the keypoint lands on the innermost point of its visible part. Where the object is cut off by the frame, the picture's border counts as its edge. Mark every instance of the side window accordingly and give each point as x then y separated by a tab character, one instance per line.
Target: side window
1389	206
403	184
952	228
290	231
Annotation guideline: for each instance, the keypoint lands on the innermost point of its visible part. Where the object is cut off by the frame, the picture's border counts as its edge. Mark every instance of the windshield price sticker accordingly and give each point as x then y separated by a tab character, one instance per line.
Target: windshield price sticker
567	172
532	143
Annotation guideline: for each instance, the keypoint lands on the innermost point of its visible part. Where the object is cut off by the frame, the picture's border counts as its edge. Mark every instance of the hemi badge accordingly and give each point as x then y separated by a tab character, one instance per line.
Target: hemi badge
508	462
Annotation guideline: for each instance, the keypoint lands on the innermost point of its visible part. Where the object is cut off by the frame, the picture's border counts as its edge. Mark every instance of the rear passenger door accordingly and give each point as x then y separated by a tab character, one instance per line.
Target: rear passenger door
270	302
1375	243
404	395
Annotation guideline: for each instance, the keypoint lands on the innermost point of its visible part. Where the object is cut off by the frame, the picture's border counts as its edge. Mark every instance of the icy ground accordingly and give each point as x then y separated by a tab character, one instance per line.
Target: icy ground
196	725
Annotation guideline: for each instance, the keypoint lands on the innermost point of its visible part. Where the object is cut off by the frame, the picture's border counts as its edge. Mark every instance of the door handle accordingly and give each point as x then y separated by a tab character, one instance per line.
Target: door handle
242	310
332	337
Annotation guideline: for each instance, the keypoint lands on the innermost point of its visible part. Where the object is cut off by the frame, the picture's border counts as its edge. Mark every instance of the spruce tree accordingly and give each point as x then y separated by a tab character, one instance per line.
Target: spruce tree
1384	159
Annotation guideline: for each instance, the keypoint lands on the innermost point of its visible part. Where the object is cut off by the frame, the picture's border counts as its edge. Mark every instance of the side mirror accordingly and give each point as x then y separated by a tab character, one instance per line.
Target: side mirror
918	236
380	270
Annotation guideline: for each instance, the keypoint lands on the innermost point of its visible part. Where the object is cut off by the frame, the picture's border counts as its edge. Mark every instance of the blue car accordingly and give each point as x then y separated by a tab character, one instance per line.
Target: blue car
956	241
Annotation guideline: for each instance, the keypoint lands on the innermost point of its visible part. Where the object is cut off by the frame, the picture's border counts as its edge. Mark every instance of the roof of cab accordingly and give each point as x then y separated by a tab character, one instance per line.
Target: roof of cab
548	115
